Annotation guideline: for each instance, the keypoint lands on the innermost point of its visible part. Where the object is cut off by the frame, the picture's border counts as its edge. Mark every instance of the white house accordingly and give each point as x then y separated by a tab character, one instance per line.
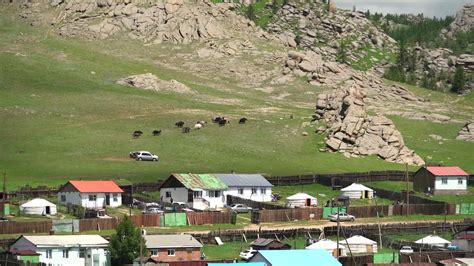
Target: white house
66	250
330	246
38	207
357	191
198	191
249	186
434	241
301	200
465	239
91	194
440	180
359	244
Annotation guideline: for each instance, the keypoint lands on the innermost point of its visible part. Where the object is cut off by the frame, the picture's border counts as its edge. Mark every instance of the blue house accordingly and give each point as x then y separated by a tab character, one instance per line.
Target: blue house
295	257
238	263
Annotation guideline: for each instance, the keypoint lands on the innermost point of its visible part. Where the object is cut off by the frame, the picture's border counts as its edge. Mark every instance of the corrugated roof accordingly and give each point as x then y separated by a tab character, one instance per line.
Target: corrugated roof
96	186
446	171
171	241
244	180
299	257
67	240
261	242
202	181
246	264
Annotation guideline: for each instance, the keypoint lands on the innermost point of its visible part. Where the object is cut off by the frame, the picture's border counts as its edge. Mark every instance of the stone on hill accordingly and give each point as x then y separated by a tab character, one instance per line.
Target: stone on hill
149	81
467	132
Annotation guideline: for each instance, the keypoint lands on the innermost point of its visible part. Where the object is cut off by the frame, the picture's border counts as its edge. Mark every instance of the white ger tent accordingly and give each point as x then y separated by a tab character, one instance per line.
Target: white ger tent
39	207
330	246
301	200
357	191
433	241
359	244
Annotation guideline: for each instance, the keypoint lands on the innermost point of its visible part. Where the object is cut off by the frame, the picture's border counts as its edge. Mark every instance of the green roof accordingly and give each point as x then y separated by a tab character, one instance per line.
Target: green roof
201	181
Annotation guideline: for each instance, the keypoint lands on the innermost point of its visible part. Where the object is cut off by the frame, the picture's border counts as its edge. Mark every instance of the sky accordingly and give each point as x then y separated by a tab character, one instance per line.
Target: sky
430	8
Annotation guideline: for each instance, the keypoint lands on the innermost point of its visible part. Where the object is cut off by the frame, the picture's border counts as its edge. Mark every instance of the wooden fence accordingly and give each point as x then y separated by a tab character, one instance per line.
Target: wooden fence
146	220
97	224
434	256
195	218
288	215
25	227
401	196
251	203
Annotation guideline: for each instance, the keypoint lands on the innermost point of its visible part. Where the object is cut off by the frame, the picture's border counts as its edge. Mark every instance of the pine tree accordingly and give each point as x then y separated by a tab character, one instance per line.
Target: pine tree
125	243
459	80
341	55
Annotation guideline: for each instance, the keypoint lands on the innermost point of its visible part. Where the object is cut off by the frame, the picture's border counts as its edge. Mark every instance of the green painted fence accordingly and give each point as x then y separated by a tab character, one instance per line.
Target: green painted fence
173	219
465	208
386	258
328	210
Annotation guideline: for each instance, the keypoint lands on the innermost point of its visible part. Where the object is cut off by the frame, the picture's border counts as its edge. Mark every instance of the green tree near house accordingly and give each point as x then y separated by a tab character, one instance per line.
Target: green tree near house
459	80
125	243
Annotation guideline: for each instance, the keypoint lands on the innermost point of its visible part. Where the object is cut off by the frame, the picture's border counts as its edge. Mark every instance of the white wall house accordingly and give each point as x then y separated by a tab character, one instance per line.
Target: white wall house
249	186
440	180
198	191
91	194
66	250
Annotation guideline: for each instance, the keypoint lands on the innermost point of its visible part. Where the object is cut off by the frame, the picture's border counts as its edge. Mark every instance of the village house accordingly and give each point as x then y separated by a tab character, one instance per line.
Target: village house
71	250
299	257
91	194
465	239
268	244
198	191
168	248
440	180
248	186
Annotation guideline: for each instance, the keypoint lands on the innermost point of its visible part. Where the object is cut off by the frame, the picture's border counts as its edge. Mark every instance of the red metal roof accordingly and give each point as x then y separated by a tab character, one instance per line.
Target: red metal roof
446	171
466	236
26	252
96	186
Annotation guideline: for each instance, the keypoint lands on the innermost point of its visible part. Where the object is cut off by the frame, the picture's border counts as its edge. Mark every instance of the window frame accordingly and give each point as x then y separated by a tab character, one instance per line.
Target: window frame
115	197
63	198
460	181
444	181
254	191
82	253
197	194
168	194
92	197
66	253
49	253
154	252
263	191
171	252
240	191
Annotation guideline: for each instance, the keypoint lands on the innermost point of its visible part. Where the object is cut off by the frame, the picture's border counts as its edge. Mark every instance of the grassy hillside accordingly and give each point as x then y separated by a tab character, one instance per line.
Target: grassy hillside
62	117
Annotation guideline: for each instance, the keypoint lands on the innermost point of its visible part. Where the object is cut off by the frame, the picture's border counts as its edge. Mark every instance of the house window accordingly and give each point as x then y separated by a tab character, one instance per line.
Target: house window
263	191
65	253
444	181
63	198
171	252
168	194
197	194
115	197
92	197
241	191
460	181
254	191
82	253
49	253
214	193
154	252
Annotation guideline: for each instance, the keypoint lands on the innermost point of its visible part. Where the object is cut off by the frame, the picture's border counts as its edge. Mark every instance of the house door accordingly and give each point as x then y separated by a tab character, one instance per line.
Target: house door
366	194
107	199
190	196
48	210
189	254
308	202
370	249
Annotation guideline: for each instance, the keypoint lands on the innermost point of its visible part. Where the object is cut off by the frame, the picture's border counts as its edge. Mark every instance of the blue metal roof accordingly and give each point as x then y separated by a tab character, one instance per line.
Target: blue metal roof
240	263
299	257
244	180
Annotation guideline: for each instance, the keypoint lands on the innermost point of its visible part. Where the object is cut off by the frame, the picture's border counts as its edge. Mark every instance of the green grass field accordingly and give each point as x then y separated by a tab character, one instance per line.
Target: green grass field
63	117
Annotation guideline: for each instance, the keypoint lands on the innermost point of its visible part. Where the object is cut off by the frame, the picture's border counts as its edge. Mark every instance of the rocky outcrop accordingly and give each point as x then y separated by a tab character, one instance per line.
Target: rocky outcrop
149	81
463	22
164	21
354	133
311	27
467	132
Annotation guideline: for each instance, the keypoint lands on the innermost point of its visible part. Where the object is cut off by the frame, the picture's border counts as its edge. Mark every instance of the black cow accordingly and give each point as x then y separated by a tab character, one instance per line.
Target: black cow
186	129
217	119
243	120
136	134
223	122
156	132
179	124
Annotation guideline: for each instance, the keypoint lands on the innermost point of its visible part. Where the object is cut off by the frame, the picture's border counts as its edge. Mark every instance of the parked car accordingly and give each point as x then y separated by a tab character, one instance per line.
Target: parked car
145	156
133	154
406	250
240	208
153	210
152	204
342	217
247	254
178	204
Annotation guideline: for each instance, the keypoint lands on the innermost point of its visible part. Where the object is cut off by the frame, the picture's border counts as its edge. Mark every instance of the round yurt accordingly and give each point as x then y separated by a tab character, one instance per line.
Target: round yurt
359	244
301	200
330	246
357	191
38	207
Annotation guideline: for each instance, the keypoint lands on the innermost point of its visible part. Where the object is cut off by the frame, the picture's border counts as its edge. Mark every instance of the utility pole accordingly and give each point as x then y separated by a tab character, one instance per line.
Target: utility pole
378	220
338	226
4	196
407	191
141	246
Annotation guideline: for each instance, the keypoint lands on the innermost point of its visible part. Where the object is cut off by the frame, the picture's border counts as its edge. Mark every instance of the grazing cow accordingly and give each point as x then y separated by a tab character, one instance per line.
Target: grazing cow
197	126
179	124
243	120
217	119
136	134
222	122
156	132
202	122
186	129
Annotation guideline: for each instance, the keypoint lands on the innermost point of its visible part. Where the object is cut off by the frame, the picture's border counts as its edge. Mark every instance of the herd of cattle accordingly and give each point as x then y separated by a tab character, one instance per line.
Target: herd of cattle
220	120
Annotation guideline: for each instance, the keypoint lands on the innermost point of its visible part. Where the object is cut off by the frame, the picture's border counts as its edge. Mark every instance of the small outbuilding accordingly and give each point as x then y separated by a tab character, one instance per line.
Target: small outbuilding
434	241
38	207
357	191
268	244
359	245
301	200
330	246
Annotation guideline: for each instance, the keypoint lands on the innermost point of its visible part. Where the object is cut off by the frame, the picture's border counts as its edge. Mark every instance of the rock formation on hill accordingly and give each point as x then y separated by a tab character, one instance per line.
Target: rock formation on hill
463	22
354	133
172	21
149	81
467	132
